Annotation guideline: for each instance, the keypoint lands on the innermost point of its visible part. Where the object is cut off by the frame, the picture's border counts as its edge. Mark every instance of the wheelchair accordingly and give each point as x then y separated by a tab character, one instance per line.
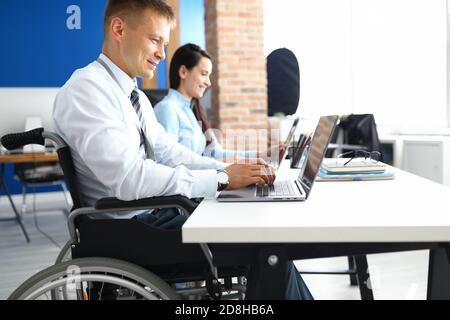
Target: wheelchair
124	259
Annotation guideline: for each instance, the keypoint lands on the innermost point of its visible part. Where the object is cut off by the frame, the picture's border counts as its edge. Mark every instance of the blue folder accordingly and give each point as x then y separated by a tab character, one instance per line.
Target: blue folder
377	175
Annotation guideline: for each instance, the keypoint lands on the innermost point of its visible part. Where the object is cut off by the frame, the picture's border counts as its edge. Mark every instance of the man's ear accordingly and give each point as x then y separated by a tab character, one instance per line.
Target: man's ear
183	72
117	28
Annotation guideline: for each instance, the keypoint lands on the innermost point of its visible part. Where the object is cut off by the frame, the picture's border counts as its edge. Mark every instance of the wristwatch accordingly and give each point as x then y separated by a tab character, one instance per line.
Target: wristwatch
222	180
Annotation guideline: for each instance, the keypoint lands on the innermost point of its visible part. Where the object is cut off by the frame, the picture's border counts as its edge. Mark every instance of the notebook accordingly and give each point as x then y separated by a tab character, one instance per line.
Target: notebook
360	176
354	166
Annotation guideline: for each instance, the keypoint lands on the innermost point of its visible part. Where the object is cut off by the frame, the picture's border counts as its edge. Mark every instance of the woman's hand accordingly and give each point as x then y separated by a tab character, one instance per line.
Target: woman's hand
274	152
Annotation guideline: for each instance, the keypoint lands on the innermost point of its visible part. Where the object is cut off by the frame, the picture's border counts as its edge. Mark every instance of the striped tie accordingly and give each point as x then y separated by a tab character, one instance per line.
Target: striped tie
144	140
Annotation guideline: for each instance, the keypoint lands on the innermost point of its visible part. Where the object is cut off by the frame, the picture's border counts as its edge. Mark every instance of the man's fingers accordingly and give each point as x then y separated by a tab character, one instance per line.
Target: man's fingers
263	171
266	178
261	161
258	180
271	173
256	169
266	173
259	166
272	177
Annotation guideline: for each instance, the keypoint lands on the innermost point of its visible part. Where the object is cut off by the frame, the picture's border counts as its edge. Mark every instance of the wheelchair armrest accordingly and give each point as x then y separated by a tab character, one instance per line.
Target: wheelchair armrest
155	202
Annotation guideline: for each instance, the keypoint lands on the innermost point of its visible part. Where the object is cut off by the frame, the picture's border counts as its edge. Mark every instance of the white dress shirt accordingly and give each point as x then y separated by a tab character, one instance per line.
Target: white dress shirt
93	114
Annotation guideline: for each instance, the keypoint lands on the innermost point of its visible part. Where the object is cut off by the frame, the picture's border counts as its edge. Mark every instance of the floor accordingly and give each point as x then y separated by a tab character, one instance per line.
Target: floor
395	276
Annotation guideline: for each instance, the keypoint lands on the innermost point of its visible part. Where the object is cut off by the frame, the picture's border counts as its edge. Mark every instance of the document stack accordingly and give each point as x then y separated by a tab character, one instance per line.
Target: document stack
355	170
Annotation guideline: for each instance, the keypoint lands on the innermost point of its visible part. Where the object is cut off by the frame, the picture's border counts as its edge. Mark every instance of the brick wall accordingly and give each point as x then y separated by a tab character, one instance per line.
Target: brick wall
234	38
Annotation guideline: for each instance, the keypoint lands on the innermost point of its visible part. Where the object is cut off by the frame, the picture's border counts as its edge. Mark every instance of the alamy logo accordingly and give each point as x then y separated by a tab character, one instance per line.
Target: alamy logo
73	21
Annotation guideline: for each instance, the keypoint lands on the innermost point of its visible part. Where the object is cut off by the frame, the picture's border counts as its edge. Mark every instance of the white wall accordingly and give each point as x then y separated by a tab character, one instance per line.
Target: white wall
18	103
448	64
387	57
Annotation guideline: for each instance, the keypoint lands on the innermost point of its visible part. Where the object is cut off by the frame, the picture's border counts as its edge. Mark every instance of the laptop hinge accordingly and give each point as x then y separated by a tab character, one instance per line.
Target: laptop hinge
305	188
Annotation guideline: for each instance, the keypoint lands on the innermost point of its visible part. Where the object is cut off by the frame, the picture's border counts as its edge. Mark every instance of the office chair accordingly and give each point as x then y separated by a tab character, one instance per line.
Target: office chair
355	132
155	95
123	258
283	89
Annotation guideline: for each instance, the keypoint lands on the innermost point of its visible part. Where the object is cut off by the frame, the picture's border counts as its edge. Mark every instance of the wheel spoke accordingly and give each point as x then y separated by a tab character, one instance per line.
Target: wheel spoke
101	291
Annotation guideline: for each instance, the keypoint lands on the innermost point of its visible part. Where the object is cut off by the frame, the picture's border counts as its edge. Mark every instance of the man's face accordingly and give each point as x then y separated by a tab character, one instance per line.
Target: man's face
143	44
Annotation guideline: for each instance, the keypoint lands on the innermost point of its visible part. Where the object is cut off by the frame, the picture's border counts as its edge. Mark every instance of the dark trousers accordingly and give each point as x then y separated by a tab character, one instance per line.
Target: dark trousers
171	219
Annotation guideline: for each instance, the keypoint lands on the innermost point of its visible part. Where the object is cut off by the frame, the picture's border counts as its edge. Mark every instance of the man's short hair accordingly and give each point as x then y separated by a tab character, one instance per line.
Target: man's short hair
132	8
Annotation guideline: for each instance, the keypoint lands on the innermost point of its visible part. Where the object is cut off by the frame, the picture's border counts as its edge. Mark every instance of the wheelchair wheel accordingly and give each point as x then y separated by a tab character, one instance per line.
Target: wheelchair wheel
94	279
65	254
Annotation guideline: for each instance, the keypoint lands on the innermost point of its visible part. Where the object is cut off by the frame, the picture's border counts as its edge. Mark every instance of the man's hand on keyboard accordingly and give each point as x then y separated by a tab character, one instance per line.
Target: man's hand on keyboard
243	175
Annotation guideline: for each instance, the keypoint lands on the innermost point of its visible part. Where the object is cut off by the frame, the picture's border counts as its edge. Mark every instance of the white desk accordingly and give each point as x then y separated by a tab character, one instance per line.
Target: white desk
406	213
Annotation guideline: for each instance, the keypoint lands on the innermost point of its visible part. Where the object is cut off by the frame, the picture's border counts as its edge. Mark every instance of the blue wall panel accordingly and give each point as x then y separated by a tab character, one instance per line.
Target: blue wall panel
39	49
42	46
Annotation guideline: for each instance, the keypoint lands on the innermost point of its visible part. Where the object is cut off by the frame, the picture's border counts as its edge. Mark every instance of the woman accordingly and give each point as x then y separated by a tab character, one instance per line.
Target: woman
180	111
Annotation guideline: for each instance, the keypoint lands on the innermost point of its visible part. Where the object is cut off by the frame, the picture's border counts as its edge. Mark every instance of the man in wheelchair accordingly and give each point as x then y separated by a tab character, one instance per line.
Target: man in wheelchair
119	150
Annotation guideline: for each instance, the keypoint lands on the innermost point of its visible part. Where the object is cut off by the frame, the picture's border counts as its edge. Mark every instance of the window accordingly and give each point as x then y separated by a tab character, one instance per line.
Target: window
386	57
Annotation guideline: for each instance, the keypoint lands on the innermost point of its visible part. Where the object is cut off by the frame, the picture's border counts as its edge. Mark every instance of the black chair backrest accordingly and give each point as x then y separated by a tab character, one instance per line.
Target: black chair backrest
283	82
66	162
155	95
361	129
357	130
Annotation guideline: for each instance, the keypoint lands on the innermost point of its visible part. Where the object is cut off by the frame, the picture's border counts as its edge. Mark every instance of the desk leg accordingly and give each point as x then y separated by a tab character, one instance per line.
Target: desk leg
19	220
439	274
362	275
267	278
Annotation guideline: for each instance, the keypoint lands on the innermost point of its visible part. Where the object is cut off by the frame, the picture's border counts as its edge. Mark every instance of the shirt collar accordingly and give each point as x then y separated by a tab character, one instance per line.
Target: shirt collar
125	82
180	99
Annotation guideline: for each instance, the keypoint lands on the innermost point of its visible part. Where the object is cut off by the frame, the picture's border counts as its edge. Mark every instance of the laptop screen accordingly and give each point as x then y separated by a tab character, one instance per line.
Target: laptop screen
317	149
288	139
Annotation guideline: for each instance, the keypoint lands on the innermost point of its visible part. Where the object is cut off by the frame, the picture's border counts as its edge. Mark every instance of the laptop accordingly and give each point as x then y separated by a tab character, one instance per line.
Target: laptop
290	190
289	137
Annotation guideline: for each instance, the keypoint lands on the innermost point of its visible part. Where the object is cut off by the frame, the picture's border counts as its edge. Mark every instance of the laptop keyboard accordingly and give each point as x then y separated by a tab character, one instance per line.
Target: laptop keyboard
278	189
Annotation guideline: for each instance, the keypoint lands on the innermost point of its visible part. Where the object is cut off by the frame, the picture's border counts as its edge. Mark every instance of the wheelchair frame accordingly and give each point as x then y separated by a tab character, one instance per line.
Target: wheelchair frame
99	242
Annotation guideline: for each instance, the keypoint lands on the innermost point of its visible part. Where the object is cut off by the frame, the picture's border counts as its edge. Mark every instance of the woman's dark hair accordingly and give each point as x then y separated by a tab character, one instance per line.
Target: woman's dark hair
188	55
